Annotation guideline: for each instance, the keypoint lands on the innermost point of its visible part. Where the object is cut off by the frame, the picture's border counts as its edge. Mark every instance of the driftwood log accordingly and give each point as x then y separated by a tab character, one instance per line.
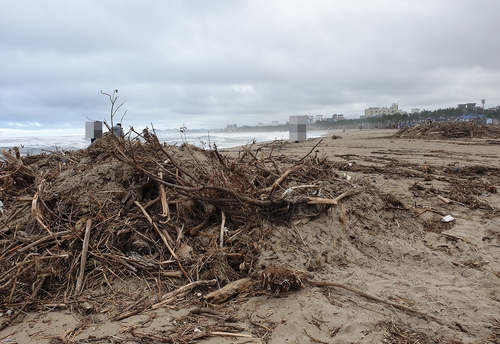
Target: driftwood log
229	291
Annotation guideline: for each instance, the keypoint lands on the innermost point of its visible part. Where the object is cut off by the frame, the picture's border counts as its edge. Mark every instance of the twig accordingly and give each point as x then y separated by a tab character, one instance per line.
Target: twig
212	313
176	339
222	226
180	292
314	339
231	334
447	200
128	312
36	213
319	200
163	198
278	181
164	239
312	149
377	299
348	193
83	260
300	235
452	236
44	239
248	151
290	189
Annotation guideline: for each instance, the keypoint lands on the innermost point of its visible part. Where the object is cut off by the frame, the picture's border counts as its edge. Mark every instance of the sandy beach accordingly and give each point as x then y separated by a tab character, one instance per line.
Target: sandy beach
409	254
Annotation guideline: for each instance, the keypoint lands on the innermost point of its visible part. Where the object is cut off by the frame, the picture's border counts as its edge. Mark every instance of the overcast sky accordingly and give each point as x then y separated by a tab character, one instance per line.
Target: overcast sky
211	63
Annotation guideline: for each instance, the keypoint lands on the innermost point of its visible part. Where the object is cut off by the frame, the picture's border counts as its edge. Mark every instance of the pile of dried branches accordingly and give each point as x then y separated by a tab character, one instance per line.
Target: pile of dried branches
448	130
86	222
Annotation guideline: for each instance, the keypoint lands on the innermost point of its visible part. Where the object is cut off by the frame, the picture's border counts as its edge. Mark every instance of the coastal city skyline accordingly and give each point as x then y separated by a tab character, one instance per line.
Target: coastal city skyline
375	111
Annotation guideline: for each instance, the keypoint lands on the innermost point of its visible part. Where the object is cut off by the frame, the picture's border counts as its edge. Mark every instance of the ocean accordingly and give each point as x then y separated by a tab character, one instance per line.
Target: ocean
32	145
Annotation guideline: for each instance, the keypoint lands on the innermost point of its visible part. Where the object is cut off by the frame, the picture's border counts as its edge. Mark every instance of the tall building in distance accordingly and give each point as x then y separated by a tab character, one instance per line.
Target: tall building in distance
379	111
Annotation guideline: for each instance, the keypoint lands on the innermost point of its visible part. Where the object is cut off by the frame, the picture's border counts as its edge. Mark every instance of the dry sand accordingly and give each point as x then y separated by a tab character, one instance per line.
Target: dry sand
449	271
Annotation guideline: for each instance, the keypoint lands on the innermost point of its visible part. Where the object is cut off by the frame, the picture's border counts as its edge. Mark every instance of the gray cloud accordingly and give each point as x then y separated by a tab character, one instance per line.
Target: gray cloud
211	63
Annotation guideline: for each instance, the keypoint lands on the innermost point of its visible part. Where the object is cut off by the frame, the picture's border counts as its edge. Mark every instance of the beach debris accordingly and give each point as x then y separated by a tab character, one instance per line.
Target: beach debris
125	209
129	225
447	130
448	218
281	280
229	291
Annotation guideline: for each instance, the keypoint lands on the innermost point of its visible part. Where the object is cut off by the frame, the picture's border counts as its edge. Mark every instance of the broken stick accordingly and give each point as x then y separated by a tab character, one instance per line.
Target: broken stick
164	239
180	292
83	259
222	226
163	198
375	298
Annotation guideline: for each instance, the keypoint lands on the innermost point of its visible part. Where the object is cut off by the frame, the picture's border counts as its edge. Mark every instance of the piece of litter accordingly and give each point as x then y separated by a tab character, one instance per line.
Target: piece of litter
448	218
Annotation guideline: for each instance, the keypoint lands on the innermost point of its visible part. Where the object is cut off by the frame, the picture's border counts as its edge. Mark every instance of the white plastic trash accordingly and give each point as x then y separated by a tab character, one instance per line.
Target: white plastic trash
448	218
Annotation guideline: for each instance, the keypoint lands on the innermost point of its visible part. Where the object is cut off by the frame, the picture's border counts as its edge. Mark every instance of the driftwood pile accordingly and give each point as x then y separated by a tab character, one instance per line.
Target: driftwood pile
449	130
127	226
468	186
140	213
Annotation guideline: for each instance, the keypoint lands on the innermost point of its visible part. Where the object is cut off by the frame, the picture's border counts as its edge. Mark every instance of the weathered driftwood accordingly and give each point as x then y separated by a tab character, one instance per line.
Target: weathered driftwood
444	199
231	334
83	261
229	291
163	198
181	292
222	227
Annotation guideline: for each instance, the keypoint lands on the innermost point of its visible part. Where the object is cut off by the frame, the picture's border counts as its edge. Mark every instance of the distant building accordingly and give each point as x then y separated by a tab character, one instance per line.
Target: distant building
380	111
338	117
319	118
476	118
231	127
272	124
467	107
415	111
